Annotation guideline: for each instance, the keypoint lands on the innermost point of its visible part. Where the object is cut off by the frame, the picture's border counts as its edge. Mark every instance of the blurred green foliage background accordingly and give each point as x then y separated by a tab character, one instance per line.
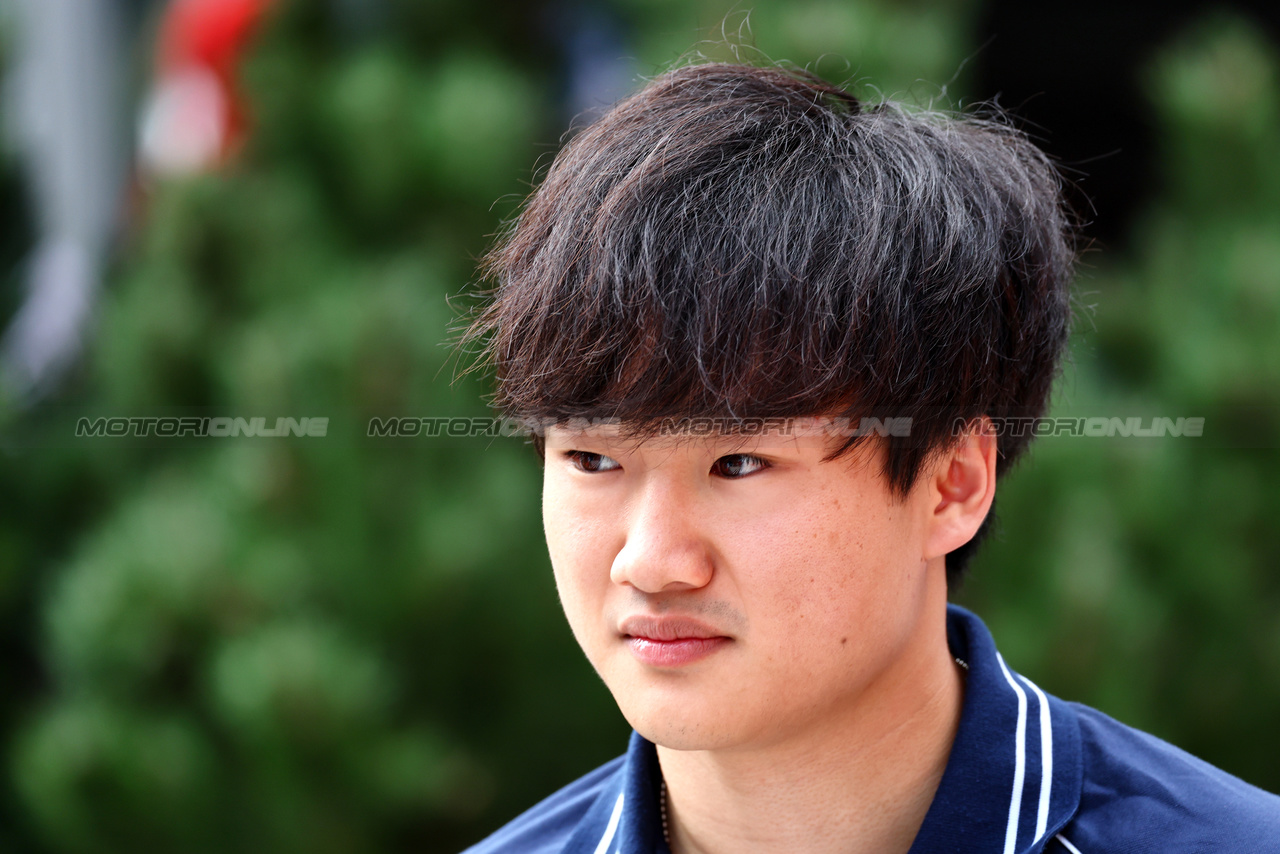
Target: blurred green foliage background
353	644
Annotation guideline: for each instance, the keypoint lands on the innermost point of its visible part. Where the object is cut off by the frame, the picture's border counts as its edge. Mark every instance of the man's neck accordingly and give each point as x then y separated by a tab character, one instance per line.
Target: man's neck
860	781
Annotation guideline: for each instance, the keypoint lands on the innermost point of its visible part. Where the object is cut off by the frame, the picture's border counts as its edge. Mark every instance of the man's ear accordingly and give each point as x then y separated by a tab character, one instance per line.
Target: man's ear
961	486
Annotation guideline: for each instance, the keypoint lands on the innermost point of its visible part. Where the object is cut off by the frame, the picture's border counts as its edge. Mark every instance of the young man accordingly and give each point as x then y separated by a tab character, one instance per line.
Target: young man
766	329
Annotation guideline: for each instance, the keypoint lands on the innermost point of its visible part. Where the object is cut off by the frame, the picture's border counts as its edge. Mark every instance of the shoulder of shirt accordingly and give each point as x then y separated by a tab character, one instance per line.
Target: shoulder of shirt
1142	794
547	826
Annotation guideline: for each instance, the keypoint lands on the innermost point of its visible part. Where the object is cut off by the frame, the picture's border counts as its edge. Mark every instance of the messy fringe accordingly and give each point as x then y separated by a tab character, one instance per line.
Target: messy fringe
743	242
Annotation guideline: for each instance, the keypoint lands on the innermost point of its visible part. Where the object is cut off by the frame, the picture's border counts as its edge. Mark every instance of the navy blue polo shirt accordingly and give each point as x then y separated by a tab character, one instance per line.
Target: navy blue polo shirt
1027	773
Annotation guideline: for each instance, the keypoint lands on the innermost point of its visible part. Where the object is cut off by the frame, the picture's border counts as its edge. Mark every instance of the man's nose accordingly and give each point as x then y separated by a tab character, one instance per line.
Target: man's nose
666	546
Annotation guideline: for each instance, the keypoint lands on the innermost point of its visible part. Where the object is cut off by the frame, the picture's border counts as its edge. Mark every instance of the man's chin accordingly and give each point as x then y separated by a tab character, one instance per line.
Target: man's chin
674	736
679	711
681	729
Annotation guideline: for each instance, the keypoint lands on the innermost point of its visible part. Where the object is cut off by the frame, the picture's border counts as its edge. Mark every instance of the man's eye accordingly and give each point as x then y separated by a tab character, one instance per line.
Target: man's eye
589	462
738	465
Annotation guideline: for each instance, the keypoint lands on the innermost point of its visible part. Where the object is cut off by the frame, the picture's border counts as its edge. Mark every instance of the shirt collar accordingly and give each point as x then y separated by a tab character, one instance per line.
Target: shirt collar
1013	777
1011	782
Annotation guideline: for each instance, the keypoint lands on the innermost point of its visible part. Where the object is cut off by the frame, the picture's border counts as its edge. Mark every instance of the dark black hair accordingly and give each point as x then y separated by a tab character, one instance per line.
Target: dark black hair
753	242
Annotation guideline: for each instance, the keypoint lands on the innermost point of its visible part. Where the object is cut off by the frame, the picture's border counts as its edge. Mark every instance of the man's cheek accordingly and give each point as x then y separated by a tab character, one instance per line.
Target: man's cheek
580	585
574	605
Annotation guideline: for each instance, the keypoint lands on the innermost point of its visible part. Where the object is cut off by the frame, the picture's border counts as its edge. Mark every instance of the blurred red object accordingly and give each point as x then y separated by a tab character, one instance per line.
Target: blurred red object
194	116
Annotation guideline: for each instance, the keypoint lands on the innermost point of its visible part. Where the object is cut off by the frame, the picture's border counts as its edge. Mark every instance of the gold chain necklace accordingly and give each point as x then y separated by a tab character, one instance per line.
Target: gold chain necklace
662	792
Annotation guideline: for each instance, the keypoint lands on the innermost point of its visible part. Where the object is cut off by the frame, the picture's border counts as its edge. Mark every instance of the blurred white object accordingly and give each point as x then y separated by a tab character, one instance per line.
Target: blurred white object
70	127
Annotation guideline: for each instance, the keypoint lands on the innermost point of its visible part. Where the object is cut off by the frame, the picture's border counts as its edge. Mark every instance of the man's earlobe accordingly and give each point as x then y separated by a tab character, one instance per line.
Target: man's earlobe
962	486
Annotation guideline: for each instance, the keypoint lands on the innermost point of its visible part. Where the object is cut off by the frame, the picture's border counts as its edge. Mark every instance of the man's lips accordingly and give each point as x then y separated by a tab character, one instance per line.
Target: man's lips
667	628
670	641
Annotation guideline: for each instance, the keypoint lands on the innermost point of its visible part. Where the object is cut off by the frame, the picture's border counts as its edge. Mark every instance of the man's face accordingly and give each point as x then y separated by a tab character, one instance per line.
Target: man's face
734	592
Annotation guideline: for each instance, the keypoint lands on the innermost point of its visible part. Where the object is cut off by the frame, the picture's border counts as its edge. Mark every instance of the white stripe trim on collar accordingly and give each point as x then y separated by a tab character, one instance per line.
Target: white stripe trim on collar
1066	844
1046	758
1020	762
612	829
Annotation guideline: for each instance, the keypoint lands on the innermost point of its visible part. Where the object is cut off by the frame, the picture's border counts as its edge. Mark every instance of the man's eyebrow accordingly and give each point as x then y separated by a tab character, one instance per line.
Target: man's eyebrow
569	435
